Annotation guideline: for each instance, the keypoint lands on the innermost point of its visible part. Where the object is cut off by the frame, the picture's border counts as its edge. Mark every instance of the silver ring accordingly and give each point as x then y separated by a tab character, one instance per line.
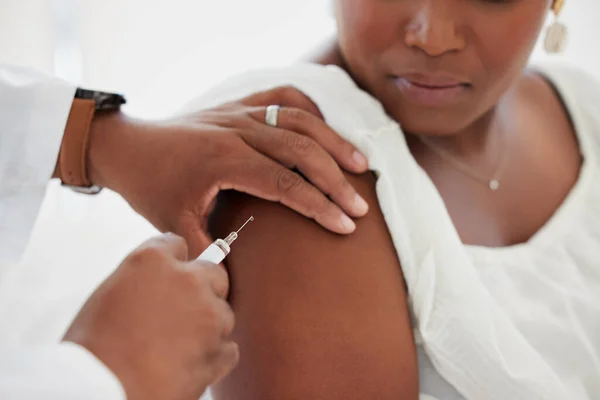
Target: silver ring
272	115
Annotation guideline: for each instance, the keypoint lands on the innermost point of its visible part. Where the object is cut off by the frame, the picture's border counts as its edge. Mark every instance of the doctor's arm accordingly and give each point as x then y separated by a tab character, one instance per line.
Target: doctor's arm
159	323
171	170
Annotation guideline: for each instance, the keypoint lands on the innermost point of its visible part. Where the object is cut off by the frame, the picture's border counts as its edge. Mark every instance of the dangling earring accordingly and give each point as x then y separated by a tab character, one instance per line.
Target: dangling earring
556	34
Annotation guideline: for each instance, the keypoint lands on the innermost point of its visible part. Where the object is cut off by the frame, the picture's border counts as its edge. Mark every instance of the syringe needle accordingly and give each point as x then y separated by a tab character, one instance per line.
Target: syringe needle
245	223
217	251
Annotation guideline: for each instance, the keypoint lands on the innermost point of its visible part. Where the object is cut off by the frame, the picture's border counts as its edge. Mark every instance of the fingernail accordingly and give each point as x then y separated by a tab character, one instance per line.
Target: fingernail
347	224
360	204
359	159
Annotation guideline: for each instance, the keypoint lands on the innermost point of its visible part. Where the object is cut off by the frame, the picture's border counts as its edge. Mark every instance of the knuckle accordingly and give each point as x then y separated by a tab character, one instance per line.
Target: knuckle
211	314
228	354
180	242
251	115
232	357
228	320
223	289
219	280
287	181
320	207
226	145
301	145
231	320
341	184
295	116
208	327
147	256
212	317
285	92
202	275
188	281
221	276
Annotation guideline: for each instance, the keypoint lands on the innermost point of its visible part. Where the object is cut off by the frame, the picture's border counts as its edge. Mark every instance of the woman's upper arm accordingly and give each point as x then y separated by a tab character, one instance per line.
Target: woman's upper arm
318	316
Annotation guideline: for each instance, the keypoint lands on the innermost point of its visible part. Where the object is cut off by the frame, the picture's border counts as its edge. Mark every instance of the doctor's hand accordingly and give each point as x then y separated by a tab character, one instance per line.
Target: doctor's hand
161	324
171	171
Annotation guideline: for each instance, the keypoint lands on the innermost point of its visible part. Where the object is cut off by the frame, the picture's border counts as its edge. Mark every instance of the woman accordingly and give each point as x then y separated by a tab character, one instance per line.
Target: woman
483	210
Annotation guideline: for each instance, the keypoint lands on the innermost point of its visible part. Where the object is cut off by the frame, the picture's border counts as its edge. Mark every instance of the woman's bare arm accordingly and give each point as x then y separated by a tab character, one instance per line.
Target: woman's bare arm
319	316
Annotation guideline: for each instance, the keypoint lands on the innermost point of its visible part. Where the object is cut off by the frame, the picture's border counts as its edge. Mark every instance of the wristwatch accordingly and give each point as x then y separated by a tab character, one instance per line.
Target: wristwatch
72	160
104	100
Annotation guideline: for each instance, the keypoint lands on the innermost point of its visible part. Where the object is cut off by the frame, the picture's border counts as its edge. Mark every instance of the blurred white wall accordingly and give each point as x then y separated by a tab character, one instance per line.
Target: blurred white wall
27	34
159	54
180	47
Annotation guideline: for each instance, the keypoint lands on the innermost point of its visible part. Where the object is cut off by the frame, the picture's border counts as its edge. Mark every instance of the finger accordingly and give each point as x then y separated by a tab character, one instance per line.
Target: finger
169	243
225	361
287	96
266	179
302	152
210	273
291	98
303	122
228	319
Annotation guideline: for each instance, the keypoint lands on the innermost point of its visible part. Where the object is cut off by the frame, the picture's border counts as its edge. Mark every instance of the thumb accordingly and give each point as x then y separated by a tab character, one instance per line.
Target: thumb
168	243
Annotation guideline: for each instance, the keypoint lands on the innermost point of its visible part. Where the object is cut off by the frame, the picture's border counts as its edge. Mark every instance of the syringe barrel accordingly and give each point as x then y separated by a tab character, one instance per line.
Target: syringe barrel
216	252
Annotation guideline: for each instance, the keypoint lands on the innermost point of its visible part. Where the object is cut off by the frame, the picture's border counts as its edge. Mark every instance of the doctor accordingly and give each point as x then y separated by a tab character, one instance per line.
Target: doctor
159	327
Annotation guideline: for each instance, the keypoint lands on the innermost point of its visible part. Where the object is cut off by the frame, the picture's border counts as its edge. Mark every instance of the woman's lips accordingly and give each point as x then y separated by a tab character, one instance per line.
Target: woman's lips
430	91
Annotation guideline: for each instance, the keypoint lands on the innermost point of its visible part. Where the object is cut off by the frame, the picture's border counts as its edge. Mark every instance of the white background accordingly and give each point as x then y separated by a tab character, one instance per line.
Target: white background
159	54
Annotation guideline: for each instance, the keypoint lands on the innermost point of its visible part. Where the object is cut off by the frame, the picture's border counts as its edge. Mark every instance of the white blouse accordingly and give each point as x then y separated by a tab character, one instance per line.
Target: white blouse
550	285
520	322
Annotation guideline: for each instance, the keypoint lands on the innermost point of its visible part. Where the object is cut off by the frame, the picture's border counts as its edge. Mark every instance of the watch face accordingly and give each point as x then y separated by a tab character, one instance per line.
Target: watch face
104	100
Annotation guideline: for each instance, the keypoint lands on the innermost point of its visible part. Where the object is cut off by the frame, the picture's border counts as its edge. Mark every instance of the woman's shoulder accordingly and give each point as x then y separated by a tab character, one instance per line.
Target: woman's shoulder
579	93
579	88
565	72
345	106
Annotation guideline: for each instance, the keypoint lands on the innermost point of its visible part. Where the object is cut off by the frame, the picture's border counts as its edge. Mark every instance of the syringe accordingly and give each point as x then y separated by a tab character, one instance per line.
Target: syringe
220	248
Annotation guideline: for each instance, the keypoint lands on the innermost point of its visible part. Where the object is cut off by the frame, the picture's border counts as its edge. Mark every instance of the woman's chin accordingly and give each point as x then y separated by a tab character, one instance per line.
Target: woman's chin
433	121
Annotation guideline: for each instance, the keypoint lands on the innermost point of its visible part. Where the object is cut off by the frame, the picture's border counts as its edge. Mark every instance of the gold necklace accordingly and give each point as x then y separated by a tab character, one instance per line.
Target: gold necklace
493	182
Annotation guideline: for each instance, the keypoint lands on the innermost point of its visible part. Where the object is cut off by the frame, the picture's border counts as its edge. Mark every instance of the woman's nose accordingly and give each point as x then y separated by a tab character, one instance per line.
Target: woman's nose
433	30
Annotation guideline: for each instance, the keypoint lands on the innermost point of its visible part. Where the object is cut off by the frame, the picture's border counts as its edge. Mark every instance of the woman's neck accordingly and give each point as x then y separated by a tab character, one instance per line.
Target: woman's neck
479	137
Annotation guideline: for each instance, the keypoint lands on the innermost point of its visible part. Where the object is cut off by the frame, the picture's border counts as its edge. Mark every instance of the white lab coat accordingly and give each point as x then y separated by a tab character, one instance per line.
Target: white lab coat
33	113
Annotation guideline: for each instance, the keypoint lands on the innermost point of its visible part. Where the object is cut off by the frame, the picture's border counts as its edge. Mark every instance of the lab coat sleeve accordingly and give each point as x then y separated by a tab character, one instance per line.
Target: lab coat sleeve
63	371
34	109
33	114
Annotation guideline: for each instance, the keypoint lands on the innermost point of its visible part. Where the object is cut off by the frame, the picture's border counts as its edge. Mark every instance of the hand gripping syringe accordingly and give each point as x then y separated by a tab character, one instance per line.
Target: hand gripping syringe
220	248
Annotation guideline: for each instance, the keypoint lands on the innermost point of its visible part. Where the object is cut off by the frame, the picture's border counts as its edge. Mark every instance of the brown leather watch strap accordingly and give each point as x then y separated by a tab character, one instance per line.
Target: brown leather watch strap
72	159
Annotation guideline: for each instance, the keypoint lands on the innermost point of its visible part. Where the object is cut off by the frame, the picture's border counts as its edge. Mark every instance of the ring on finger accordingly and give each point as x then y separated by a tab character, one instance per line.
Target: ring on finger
272	115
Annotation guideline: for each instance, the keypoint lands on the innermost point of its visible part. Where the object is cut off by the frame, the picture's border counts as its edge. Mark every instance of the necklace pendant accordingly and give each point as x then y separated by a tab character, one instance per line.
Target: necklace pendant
494	184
